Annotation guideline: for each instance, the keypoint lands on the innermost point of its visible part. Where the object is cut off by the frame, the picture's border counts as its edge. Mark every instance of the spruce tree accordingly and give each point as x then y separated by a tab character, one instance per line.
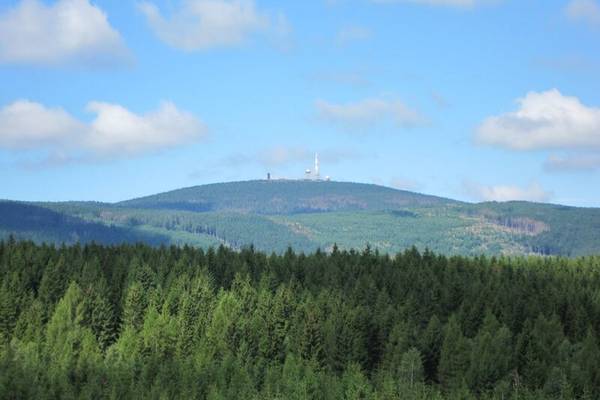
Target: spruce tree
454	356
490	358
53	284
135	306
8	312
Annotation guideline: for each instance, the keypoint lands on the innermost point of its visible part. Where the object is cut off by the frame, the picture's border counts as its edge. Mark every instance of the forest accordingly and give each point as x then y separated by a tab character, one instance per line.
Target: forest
135	321
307	215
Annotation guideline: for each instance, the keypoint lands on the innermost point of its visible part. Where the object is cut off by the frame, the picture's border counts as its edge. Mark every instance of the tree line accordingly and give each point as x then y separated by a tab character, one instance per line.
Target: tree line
134	321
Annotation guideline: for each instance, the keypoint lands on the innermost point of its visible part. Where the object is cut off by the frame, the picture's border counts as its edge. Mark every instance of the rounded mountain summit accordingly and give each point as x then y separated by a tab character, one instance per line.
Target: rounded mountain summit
286	197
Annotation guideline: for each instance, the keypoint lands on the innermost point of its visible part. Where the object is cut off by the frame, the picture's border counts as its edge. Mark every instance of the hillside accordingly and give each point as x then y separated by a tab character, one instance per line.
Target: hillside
285	197
40	224
272	215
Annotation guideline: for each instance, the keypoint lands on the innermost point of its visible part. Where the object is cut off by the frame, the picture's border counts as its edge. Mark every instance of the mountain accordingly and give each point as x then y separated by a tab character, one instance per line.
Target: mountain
45	225
272	215
285	197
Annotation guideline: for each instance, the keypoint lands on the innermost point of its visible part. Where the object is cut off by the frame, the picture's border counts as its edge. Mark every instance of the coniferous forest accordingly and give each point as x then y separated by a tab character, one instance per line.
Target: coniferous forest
133	321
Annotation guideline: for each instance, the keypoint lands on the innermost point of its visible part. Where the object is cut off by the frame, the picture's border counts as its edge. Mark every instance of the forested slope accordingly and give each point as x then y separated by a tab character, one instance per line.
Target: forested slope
171	322
307	215
555	229
285	197
41	224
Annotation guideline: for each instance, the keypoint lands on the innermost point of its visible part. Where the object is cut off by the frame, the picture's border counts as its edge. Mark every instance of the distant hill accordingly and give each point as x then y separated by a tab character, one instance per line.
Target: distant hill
285	197
40	224
272	215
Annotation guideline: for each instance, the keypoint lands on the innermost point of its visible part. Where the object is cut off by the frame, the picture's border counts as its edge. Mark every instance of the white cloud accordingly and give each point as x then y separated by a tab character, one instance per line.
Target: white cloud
68	31
584	10
533	192
204	24
448	3
580	162
116	129
368	112
114	132
27	125
544	120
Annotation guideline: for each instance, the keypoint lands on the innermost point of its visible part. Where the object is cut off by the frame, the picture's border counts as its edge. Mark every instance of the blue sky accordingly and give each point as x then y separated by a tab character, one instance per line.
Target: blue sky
475	100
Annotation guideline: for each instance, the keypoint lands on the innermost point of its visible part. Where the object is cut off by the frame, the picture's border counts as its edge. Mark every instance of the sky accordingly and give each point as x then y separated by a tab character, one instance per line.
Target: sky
475	100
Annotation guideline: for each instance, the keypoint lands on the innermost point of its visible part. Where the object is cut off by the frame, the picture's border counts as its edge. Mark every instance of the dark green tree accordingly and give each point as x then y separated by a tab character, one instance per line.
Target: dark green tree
134	309
454	356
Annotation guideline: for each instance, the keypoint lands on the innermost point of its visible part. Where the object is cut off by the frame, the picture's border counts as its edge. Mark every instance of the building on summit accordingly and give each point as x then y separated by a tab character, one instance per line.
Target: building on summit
309	175
315	175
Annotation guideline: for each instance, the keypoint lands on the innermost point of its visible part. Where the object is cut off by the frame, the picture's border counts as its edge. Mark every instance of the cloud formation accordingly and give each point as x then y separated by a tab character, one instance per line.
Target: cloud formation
114	132
368	112
573	163
533	192
205	24
28	125
544	120
587	11
66	32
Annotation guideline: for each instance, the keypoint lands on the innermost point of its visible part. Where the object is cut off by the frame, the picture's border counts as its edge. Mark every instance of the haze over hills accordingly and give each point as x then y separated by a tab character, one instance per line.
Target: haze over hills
272	215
